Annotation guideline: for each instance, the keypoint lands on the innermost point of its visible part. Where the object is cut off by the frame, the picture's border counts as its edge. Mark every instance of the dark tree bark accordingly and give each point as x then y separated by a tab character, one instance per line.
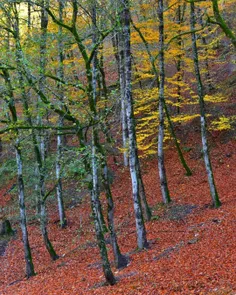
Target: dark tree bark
95	201
161	165
39	154
61	208
215	198
27	251
204	42
221	22
21	191
120	260
179	65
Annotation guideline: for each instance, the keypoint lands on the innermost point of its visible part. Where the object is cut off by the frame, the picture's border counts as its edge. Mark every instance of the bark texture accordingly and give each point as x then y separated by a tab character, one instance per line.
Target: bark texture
214	194
161	164
133	155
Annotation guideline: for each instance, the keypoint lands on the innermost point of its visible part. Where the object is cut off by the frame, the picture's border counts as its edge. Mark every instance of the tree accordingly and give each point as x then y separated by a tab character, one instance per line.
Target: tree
21	191
61	209
219	20
133	156
161	166
215	198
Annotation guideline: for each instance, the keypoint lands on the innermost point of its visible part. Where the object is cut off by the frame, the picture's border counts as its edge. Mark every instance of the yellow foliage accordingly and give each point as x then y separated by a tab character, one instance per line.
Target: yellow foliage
150	34
223	123
184	118
215	98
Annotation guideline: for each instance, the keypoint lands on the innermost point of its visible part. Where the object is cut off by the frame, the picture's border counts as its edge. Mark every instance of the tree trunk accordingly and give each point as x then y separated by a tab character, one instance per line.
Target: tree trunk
21	192
60	202
118	47
61	208
43	136
179	65
161	165
204	42
133	155
221	22
43	225
151	59
27	251
96	213
146	209
38	153
95	201
122	97
213	190
120	260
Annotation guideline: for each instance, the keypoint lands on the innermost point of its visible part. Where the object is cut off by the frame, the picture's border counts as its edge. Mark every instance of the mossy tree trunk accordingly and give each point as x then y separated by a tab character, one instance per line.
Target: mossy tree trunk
39	153
214	194
133	154
95	200
61	208
123	116
21	191
161	164
221	22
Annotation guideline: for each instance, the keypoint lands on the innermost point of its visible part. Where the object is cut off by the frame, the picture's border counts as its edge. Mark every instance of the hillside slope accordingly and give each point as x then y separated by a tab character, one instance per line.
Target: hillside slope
192	246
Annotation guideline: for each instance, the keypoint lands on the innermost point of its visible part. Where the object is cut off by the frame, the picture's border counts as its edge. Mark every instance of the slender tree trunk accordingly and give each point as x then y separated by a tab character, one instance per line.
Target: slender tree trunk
23	223
61	209
120	260
146	209
118	47
96	208
21	192
121	71
60	202
179	65
43	137
105	126
133	155
42	68
39	155
204	42
182	160
179	151
94	101
213	190
221	22
42	208
97	212
161	165
95	201
43	225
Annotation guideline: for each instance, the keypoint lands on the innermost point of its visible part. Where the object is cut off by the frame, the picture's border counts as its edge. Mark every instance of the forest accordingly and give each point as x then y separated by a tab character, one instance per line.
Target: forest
117	147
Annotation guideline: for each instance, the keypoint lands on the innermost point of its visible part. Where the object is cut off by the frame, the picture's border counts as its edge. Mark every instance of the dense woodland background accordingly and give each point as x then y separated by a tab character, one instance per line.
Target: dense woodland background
117	147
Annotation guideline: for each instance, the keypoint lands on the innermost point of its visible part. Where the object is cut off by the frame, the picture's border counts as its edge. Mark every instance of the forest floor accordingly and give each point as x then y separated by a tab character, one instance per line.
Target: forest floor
192	246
